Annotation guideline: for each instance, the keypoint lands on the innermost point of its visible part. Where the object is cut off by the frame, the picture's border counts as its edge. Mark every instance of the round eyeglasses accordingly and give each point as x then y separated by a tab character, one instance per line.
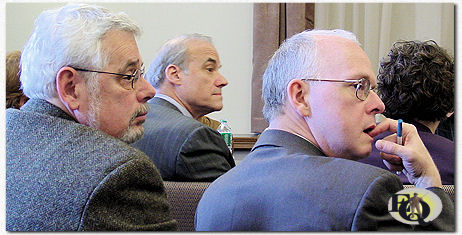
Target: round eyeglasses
131	78
363	85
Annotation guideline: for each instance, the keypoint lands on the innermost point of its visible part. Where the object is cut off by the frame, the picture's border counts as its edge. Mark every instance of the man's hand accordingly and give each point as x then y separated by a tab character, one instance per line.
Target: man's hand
412	156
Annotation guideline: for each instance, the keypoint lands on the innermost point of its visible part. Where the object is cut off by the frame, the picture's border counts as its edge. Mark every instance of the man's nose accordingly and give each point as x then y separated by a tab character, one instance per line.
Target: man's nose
221	81
145	91
376	106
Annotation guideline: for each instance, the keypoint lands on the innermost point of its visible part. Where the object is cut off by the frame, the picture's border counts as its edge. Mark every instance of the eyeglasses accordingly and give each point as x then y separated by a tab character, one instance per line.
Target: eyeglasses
363	86
132	78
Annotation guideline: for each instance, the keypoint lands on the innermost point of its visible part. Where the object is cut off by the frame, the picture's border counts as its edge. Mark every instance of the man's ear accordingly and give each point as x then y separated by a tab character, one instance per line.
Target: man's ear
172	73
68	86
298	95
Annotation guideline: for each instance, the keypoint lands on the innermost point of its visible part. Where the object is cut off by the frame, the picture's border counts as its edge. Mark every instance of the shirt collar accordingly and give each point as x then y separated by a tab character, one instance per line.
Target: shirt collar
293	142
180	107
308	141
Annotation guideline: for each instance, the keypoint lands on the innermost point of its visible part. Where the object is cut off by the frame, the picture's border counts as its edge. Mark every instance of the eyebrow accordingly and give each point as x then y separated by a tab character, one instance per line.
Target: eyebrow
372	86
211	60
130	64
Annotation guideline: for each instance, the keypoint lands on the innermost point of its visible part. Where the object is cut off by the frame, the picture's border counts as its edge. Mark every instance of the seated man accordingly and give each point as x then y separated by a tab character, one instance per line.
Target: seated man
68	164
302	173
420	93
188	83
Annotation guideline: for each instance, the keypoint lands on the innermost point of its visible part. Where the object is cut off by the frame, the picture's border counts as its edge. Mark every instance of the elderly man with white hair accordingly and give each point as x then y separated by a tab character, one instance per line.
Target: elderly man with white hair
68	163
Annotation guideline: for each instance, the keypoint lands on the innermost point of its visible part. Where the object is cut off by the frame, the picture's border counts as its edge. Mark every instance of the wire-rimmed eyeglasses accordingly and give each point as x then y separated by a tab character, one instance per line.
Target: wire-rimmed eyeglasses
132	78
363	85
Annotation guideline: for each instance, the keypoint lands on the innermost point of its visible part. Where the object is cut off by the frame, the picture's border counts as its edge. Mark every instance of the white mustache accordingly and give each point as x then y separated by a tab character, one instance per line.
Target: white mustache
143	109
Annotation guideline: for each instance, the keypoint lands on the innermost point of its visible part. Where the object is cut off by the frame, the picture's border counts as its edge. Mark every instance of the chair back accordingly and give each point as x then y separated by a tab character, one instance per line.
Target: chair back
183	198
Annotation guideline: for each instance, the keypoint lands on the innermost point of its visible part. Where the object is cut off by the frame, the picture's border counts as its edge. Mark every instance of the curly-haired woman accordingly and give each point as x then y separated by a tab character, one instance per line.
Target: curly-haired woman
416	84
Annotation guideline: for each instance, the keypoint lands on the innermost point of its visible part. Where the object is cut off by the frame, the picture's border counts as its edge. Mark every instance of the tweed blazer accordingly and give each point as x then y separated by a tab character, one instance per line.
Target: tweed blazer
441	149
65	176
287	184
182	148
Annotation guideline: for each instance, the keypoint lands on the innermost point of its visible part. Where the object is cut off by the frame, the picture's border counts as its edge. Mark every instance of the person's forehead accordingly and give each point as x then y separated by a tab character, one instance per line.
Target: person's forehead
202	52
329	44
339	55
121	49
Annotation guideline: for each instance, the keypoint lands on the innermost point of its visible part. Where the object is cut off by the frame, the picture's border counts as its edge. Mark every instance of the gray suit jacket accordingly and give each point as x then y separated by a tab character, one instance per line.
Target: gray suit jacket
182	148
64	176
287	184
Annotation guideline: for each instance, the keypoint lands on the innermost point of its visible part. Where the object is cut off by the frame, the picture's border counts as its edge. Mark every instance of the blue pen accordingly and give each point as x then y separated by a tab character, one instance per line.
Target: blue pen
399	132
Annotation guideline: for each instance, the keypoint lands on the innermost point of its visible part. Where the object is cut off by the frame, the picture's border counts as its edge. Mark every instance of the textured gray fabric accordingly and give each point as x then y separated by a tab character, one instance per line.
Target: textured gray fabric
183	198
64	176
182	148
287	184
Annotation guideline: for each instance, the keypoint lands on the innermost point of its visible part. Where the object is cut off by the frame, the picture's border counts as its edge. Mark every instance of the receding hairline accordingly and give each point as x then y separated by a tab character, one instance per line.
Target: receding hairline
189	51
326	38
327	46
326	41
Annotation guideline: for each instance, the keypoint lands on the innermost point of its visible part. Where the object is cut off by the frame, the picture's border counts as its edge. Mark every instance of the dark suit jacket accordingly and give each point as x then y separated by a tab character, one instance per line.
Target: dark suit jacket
440	148
182	148
287	184
64	176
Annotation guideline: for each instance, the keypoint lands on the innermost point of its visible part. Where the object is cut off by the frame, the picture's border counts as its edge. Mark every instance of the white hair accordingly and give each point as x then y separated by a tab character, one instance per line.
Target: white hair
296	58
174	51
67	36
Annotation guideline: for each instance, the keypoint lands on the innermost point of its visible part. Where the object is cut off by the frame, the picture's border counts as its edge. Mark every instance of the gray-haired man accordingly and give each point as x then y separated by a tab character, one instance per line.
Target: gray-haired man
185	73
68	164
302	173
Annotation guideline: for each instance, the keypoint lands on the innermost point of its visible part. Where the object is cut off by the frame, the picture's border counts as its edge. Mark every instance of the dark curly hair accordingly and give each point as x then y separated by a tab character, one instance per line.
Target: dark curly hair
416	81
13	86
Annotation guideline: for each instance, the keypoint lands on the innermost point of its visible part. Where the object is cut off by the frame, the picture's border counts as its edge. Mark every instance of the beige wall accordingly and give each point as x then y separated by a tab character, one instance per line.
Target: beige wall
229	24
378	25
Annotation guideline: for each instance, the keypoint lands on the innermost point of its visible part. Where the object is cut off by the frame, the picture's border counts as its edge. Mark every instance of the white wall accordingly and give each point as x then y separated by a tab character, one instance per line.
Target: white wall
229	24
